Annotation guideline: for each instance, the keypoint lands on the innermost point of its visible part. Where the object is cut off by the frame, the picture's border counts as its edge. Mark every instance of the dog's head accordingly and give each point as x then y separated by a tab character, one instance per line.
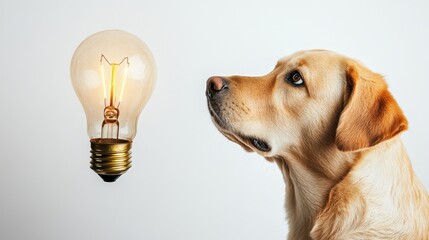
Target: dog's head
309	97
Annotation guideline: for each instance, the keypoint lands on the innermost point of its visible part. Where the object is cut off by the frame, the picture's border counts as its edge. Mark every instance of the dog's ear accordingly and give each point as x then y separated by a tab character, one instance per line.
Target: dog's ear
370	114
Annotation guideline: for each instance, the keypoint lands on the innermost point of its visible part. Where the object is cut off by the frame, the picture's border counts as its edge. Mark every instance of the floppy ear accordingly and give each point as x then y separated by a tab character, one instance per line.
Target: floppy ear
370	115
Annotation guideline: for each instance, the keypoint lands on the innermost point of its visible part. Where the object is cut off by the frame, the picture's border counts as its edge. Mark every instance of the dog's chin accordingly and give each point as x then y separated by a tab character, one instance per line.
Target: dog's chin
235	138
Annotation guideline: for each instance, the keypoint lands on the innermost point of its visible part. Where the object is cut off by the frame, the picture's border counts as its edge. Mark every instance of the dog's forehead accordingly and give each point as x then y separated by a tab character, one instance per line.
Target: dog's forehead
305	57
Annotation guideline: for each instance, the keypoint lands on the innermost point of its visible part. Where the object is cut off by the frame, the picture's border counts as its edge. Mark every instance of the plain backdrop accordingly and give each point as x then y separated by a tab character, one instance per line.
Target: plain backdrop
187	181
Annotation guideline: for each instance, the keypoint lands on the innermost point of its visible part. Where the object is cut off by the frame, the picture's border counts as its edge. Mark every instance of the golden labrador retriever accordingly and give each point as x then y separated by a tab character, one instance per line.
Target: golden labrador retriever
334	129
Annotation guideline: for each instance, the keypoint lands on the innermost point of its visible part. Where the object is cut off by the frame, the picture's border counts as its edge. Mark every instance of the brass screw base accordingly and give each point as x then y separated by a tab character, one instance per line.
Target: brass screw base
110	157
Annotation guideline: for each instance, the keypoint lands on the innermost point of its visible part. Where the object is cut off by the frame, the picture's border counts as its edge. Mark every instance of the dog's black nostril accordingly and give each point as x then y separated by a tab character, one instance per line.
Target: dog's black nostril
215	85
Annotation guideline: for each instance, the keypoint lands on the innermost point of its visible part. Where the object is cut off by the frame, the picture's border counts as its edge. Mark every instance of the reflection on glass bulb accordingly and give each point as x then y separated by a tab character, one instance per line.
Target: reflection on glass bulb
113	74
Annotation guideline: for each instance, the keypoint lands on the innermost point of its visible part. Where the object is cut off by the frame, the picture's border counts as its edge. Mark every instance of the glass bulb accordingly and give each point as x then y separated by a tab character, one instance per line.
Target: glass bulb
113	74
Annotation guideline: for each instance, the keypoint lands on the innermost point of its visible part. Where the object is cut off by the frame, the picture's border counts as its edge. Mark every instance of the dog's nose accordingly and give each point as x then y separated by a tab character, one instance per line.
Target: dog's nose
216	85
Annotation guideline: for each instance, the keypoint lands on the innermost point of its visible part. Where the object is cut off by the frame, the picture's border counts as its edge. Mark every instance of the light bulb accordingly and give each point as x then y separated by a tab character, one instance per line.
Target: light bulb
113	74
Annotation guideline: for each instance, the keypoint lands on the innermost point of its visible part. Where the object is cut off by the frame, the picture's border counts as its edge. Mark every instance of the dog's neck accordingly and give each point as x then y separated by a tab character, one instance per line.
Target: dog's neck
309	176
308	181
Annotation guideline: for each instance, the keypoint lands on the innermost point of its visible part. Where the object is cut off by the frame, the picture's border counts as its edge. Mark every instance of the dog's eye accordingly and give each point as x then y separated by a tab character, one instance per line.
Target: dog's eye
295	79
260	145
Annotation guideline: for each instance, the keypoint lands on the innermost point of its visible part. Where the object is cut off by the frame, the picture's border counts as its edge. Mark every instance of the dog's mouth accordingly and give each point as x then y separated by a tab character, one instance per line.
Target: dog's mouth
217	116
233	134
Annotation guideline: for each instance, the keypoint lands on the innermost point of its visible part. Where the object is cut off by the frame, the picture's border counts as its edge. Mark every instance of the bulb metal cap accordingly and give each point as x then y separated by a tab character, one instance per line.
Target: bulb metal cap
110	158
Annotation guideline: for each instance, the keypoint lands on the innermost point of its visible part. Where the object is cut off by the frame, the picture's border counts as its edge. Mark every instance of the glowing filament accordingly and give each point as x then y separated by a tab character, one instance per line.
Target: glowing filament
111	113
113	84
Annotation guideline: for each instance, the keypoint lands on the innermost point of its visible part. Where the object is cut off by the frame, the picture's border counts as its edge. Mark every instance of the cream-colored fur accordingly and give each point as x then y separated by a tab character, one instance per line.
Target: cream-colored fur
336	140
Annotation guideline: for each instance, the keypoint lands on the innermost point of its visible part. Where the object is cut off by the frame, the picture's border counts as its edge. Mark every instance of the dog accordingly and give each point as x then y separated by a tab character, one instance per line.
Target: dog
333	128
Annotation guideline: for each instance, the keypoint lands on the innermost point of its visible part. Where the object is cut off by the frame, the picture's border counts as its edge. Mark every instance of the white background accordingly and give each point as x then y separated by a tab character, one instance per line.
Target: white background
187	181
